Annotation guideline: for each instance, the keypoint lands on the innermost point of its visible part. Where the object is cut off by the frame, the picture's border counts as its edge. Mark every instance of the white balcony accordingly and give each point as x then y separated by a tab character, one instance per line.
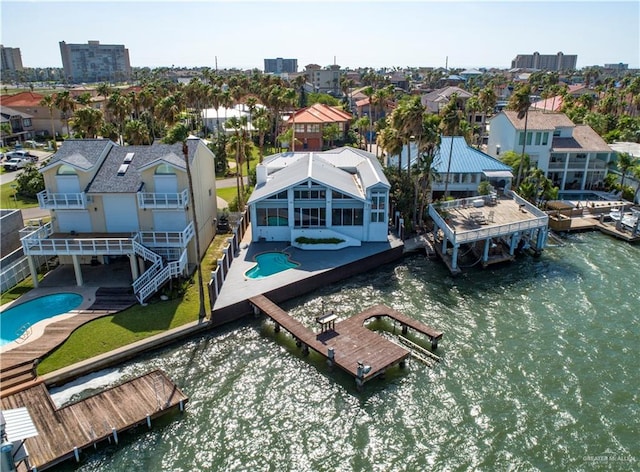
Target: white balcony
155	239
62	201
163	200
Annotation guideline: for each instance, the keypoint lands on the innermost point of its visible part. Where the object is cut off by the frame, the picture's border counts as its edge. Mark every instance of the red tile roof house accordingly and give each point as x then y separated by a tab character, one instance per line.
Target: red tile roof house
310	123
29	103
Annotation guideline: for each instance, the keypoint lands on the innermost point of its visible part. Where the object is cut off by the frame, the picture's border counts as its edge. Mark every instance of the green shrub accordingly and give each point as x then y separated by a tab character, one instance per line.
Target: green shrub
305	240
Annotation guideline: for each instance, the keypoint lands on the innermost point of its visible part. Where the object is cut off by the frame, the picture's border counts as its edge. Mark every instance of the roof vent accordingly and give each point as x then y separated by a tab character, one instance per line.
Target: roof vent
123	169
129	157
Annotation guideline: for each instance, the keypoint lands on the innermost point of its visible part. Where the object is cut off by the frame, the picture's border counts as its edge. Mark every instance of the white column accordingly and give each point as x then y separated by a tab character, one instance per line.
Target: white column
77	270
34	271
133	261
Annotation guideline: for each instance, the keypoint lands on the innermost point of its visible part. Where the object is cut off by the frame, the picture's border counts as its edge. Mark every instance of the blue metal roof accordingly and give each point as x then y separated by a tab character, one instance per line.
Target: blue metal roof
466	159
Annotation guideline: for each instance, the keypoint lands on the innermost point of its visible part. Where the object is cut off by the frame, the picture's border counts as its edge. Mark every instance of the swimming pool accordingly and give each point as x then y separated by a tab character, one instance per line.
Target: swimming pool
17	319
269	263
581	196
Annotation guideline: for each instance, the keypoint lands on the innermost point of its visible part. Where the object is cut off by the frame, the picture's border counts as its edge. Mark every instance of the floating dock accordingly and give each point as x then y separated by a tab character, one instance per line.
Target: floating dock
348	344
64	432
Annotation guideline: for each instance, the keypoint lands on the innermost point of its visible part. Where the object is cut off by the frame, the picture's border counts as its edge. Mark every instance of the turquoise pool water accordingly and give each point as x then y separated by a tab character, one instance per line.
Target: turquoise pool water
270	263
16	319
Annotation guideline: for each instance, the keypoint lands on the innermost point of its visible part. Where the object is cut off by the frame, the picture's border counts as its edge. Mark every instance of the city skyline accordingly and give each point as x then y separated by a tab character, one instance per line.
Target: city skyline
354	34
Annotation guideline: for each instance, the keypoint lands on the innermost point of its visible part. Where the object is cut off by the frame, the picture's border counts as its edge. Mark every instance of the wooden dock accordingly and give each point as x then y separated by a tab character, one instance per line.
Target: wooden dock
350	345
64	432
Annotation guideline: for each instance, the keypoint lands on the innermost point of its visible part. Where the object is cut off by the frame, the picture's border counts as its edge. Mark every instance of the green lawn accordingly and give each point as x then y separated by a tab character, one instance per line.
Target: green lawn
7	199
227	194
136	323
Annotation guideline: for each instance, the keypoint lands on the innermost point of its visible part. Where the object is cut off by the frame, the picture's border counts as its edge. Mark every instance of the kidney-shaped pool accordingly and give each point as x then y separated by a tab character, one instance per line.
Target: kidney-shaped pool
15	321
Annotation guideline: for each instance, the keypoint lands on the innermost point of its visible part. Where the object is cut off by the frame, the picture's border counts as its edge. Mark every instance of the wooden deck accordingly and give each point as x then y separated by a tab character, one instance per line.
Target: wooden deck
350	342
93	419
17	366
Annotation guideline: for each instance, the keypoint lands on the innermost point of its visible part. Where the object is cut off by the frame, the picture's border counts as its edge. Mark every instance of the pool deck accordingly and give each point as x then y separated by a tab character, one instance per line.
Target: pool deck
238	289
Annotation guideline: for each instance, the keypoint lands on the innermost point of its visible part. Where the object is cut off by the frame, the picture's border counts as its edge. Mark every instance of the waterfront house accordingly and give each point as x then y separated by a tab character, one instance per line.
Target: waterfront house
573	156
342	193
310	123
465	169
109	201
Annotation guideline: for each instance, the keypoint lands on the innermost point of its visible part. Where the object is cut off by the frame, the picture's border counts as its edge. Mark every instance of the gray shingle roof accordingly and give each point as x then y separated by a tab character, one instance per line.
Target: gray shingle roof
107	179
82	154
584	139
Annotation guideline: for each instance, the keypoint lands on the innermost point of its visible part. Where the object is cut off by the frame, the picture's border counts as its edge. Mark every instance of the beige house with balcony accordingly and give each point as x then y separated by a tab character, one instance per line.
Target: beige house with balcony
573	156
109	201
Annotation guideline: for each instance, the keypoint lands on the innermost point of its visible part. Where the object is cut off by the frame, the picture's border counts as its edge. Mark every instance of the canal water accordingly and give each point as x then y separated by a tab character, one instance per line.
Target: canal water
539	371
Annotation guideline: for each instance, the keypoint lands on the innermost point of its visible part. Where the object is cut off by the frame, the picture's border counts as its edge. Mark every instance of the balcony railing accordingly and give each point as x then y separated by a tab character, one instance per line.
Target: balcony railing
163	200
62	201
167	238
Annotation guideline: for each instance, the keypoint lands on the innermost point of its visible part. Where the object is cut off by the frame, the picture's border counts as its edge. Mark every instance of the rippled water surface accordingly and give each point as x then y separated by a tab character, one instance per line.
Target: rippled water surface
539	372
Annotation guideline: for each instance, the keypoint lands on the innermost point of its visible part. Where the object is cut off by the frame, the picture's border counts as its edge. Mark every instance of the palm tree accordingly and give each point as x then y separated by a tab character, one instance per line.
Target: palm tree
391	141
136	132
88	122
624	163
520	101
450	126
49	102
66	104
240	144
425	169
262	124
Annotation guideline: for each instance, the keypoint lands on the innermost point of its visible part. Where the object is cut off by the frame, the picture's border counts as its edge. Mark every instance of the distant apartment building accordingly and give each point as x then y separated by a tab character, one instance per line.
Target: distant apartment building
280	66
95	62
536	60
324	79
619	66
11	59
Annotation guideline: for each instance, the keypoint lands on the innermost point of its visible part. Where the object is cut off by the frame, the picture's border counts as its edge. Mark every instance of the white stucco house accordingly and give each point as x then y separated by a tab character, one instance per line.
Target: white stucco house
342	193
573	156
109	201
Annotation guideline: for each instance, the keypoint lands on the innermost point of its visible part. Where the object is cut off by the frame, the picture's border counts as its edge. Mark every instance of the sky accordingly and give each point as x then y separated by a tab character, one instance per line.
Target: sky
367	33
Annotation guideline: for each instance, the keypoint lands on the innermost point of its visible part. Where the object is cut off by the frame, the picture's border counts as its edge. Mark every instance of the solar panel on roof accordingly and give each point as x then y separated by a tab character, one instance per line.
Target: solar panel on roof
129	157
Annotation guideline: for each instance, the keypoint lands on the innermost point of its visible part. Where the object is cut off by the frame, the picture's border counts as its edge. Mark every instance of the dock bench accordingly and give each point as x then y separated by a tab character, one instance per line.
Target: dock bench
327	321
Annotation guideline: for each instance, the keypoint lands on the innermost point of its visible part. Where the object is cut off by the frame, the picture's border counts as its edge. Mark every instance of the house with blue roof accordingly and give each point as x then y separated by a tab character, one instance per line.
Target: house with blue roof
463	165
341	193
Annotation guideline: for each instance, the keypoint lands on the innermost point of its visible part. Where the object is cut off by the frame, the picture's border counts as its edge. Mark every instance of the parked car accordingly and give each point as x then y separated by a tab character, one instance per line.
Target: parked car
33	144
22	155
15	163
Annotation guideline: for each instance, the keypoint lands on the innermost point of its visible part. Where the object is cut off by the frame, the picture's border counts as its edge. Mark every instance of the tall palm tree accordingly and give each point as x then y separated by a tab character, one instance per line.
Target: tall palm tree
520	101
240	145
624	163
49	102
66	104
425	168
450	126
261	123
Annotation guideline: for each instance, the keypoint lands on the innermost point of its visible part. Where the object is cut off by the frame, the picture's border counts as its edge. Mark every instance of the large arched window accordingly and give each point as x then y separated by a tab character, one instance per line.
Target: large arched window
65	169
165	169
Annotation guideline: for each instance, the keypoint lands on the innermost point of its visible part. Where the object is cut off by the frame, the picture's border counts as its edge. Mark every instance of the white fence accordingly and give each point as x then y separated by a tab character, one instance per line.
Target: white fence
18	271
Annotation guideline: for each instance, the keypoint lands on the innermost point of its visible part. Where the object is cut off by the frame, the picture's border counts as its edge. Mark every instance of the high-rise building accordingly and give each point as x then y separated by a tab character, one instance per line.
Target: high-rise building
280	66
536	60
11	59
95	62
